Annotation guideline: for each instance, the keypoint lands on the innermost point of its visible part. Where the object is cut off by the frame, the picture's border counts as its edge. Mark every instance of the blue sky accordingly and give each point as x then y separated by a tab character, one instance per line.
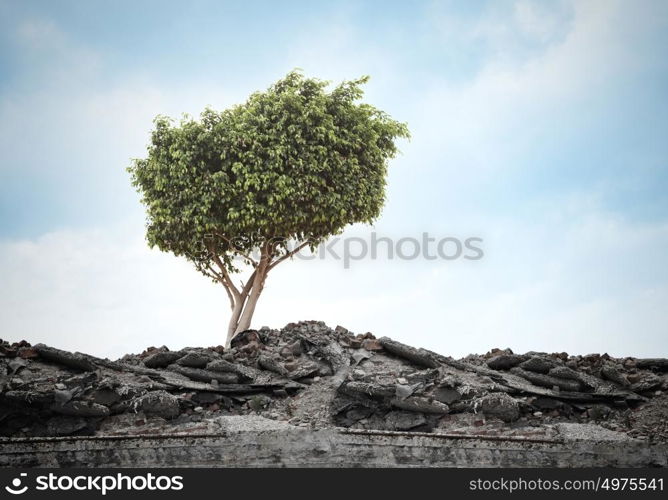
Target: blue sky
538	126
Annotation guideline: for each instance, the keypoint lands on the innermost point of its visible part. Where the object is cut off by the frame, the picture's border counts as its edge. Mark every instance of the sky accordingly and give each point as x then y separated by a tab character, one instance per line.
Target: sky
537	126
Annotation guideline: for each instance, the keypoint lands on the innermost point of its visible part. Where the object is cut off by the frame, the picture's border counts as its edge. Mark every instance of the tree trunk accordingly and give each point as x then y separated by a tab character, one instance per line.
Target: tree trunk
247	315
234	322
245	302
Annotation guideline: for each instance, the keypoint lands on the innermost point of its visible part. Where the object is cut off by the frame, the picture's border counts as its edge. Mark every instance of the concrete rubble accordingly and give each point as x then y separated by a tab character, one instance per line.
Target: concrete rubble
308	375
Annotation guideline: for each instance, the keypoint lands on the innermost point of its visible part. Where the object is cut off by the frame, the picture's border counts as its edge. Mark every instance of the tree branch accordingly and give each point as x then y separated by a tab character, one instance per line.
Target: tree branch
227	281
221	279
287	255
235	249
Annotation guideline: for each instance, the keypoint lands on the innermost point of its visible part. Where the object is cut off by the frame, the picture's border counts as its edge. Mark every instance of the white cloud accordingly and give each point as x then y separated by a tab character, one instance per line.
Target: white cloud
495	115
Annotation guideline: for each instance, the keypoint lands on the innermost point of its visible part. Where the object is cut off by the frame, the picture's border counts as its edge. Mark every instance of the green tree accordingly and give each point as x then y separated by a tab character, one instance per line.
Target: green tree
257	182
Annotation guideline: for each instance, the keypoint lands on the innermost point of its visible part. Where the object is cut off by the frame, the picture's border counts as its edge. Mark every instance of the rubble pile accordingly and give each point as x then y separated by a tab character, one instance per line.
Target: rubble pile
307	374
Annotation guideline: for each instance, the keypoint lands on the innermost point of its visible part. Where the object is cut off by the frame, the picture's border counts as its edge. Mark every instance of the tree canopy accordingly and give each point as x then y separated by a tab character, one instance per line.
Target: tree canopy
297	162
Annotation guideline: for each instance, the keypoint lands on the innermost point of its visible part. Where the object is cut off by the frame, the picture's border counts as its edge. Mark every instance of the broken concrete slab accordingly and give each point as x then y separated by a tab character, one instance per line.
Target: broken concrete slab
65	358
420	357
194	360
205	375
499	405
81	409
162	359
157	403
538	364
505	361
653	363
546	380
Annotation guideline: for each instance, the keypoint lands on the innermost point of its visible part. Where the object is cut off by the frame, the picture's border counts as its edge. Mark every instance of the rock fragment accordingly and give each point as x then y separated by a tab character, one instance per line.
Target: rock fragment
399	420
447	395
205	375
372	345
420	357
653	363
157	403
194	360
612	374
84	409
65	426
367	389
538	364
269	363
65	358
499	405
244	372
505	361
161	359
647	383
422	405
546	380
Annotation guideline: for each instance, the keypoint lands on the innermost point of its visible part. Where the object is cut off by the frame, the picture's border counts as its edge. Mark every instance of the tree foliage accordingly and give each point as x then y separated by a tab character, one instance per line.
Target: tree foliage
295	163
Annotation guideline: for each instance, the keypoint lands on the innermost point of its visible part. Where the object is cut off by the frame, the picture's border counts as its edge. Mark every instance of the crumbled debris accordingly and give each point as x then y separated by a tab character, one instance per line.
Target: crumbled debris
307	374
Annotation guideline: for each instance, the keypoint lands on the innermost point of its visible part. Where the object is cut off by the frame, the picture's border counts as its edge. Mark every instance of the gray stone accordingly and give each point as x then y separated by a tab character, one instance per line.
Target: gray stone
271	364
402	391
106	397
422	405
655	363
65	358
648	383
538	364
612	374
296	348
205	375
420	357
157	403
546	380
499	405
29	398
446	395
81	409
245	372
194	360
398	420
377	391
565	372
207	397
548	404
64	426
304	369
358	413
359	356
161	359
62	397
505	361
